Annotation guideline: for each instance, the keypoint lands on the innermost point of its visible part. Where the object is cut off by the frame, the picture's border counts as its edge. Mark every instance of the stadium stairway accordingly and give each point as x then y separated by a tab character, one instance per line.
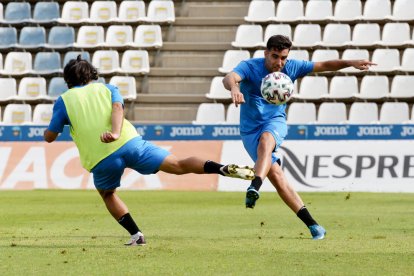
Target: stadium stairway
182	70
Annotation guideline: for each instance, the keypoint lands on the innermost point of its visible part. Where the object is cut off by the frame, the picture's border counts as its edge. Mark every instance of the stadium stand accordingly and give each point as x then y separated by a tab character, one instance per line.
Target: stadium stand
126	85
301	113
173	52
17	114
394	113
9	89
217	90
210	113
32	89
232	115
332	113
363	113
42	114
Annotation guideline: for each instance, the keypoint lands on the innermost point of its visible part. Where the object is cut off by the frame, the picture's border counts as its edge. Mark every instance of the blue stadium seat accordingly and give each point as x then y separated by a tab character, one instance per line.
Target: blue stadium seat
61	37
17	12
8	37
47	63
32	37
73	55
57	86
46	12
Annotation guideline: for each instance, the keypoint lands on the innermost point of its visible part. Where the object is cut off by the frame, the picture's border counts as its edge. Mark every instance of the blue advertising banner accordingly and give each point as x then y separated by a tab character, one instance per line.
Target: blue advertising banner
231	132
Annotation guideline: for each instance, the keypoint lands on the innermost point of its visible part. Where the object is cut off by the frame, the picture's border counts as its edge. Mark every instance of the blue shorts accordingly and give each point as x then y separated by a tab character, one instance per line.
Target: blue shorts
278	129
137	154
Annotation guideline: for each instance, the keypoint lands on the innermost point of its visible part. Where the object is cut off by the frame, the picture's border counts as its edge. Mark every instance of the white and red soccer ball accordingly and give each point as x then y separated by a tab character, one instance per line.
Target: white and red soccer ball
277	88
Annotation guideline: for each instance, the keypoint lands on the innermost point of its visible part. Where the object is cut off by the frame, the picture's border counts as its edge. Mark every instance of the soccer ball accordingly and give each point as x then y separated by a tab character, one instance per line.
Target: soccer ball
276	88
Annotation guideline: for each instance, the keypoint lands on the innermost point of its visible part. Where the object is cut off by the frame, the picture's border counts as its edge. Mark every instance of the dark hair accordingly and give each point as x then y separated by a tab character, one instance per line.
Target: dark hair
79	72
278	42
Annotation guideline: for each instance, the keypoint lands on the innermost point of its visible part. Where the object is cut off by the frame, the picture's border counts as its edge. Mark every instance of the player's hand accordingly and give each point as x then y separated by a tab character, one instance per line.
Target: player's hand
363	64
108	137
237	96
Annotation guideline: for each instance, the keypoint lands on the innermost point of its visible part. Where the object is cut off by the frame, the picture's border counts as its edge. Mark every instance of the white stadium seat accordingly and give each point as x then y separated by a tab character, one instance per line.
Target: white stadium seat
74	12
403	10
277	29
90	37
350	54
32	89
332	113
217	90
17	114
402	87
161	12
106	61
324	55
343	87
131	11
376	9
126	85
18	63
148	36
318	10
8	89
363	113
312	88
248	36
347	10
336	35
301	113
395	34
210	113
289	11
386	59
299	54
118	35
366	34
407	63
307	35
260	11
103	11
394	113
233	114
135	61
373	87
42	114
232	58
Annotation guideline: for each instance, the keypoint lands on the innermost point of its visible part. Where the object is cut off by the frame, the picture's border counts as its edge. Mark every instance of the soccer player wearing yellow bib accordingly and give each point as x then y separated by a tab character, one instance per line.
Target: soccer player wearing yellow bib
108	143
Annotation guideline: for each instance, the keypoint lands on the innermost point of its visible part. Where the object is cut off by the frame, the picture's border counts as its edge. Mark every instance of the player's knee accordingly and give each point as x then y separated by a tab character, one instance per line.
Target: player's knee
106	193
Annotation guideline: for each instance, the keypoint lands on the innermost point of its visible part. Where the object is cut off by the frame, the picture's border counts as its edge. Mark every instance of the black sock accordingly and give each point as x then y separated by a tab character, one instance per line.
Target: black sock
256	183
129	224
212	167
306	217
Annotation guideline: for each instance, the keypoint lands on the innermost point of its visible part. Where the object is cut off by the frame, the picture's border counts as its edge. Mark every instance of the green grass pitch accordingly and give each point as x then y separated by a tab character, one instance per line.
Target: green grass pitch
69	232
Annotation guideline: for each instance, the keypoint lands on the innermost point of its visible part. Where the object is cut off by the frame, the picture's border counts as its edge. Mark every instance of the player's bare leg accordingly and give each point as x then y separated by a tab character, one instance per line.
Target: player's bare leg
293	200
120	212
174	165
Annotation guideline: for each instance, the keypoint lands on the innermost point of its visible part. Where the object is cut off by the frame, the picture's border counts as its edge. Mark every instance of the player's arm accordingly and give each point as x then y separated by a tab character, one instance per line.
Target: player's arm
335	65
231	82
117	118
59	120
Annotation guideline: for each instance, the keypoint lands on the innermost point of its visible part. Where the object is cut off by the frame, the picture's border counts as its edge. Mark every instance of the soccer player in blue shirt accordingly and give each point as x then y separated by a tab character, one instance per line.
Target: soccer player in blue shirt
263	126
108	143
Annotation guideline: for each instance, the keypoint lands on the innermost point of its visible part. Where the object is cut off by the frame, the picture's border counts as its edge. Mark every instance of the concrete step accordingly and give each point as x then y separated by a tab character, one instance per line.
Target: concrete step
197	46
164	113
171	98
178	85
208	21
219	9
183	72
202	34
190	59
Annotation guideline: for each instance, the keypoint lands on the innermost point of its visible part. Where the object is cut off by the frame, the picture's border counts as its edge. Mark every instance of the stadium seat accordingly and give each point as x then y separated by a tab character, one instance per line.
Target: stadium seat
126	85
332	113
260	11
318	10
217	90
42	114
299	54
148	36
402	87
233	115
18	63
1	62
74	12
395	34
275	29
161	12
17	12
17	114
402	10
350	54
373	88
210	113
106	61
8	89
346	10
102	11
8	37
336	35
57	86
312	88
32	89
407	63
47	63
259	54
394	113
131	11
135	61
232	58
61	37
289	11
366	34
90	37
363	113
118	35
1	12
386	59
301	113
248	36
73	55
324	55
343	87
44	12
32	37
307	35
376	9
